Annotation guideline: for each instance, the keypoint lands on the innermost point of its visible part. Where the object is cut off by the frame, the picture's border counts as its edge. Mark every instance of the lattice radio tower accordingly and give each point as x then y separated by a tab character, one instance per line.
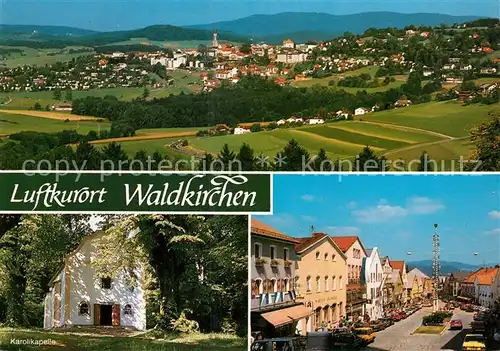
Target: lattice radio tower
436	266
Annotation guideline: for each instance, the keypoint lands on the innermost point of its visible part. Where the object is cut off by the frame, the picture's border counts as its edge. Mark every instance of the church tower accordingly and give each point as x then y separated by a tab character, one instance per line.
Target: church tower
215	44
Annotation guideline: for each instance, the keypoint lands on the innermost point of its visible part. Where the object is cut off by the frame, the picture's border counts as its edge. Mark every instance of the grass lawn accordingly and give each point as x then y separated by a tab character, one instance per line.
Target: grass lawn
13	123
89	342
386	132
40	59
430	329
447	154
447	117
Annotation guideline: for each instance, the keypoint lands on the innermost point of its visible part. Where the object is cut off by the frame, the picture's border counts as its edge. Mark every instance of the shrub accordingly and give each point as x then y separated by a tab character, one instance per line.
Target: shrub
185	325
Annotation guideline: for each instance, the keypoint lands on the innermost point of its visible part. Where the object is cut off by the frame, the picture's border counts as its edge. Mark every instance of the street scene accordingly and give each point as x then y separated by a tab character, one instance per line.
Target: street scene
339	272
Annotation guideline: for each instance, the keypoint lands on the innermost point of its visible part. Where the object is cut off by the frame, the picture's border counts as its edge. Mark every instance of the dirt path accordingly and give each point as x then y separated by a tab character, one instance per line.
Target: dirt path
411	147
400	127
52	115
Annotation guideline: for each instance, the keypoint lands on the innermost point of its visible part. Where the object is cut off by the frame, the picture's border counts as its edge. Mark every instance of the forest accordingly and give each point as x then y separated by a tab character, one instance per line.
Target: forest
251	100
196	266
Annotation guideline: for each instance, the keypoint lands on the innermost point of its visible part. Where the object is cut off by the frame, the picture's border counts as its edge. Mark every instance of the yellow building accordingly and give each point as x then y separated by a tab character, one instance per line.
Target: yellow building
321	277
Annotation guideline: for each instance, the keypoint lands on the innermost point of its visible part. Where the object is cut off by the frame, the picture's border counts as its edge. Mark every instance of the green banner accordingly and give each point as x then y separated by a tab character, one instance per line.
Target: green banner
114	192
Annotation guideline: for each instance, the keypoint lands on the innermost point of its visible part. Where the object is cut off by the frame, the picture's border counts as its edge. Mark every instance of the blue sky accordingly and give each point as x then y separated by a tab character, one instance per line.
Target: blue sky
395	213
127	14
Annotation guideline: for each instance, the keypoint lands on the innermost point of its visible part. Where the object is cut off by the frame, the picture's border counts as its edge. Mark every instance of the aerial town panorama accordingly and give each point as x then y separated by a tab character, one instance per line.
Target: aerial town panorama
416	95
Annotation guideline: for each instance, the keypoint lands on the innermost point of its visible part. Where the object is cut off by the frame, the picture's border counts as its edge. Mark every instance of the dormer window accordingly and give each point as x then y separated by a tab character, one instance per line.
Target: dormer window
106	283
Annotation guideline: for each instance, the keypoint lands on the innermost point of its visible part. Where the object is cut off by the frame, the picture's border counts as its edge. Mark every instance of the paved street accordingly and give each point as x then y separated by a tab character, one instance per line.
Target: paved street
398	337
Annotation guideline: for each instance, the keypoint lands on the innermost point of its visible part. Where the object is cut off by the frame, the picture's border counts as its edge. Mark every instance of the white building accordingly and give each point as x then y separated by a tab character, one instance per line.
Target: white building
78	297
291	57
361	111
295	120
281	122
316	121
288	44
170	62
239	130
485	285
373	275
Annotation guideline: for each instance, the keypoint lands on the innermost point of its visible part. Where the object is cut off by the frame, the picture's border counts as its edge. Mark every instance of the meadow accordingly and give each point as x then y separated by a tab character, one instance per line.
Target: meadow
85	341
371	70
440	128
13	123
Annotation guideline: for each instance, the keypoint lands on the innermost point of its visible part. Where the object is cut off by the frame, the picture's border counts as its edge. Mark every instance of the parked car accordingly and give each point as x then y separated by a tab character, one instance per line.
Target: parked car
478	326
456	324
367	334
403	315
396	317
319	341
278	344
387	321
474	342
347	340
377	325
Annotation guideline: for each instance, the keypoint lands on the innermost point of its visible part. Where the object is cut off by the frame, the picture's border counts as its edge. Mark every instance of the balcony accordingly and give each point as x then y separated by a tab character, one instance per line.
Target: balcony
288	264
259	262
275	263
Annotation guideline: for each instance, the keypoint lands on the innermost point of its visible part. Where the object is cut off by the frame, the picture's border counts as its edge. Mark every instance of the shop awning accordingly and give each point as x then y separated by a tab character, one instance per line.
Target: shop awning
287	315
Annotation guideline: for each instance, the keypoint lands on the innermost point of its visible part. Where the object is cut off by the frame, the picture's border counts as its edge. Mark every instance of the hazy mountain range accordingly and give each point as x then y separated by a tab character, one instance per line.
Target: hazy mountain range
298	26
447	267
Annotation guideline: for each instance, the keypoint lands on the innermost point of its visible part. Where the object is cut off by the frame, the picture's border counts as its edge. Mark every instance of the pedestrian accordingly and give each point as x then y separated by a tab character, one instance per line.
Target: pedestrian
323	326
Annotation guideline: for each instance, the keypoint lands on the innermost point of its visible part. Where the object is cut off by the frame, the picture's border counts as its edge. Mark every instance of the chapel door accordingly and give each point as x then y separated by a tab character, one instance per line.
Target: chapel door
97	314
116	314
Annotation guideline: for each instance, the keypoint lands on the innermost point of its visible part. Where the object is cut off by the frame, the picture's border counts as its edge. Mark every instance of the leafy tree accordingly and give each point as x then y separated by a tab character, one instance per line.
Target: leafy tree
145	93
486	137
57	94
246	48
37	106
322	163
69	95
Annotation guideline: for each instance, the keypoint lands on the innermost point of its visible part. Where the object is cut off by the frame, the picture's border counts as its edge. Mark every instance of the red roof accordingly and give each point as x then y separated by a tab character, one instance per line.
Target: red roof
485	276
398	265
262	229
306	242
345	242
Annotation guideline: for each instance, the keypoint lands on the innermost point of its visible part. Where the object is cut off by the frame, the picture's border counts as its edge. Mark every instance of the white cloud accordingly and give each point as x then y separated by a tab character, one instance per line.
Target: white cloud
424	205
384	212
351	205
308	198
343	231
308	218
495	231
379	213
494	214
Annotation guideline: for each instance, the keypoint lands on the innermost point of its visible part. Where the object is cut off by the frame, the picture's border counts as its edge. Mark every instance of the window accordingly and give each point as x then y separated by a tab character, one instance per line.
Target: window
334	282
259	286
286	254
83	309
340	282
317	255
287	284
326	257
275	285
333	257
326	284
257	250
273	252
318	284
106	283
308	283
127	310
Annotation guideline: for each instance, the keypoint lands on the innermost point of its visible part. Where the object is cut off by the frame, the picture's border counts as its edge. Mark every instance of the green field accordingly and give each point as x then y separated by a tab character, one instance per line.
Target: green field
88	341
386	132
12	123
40	58
448	117
371	70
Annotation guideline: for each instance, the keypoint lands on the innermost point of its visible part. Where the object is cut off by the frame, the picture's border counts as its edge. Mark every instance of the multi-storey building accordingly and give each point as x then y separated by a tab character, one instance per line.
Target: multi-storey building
481	286
372	276
275	310
356	290
321	281
401	266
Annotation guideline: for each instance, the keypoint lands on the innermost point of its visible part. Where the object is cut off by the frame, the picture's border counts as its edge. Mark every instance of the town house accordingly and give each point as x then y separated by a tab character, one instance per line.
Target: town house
372	274
275	310
356	290
321	281
401	266
77	296
453	284
481	285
